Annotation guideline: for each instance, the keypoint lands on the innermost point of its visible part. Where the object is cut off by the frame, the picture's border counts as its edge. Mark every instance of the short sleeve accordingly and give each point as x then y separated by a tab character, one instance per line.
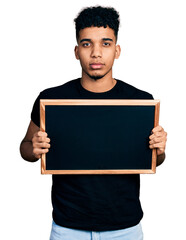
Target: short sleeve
151	97
143	95
147	96
35	114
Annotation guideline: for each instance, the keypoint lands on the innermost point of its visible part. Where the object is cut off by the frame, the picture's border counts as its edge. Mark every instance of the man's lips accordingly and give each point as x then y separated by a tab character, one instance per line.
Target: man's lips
96	65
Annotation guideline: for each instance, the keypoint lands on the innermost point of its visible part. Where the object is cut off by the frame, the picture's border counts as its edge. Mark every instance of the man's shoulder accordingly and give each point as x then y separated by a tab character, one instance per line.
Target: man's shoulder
59	90
133	92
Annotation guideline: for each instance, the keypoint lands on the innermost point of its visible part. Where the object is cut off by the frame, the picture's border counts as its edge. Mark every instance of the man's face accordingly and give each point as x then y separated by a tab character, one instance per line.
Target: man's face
96	51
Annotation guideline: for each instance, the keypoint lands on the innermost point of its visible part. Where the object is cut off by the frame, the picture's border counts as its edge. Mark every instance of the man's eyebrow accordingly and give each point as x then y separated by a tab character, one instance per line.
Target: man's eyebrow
89	40
107	39
85	40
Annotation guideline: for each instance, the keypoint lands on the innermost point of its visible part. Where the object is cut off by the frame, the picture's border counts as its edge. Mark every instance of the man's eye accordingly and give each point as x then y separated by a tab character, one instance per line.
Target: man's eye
86	44
106	44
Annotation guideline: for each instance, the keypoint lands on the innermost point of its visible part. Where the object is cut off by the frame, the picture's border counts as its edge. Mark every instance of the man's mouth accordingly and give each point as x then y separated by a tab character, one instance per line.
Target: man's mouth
96	65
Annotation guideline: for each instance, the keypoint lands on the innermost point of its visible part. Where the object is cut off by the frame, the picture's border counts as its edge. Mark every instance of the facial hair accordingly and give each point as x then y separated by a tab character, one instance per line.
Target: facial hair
96	77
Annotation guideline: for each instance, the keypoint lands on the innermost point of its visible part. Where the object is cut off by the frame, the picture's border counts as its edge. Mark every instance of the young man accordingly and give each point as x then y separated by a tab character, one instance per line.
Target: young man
91	206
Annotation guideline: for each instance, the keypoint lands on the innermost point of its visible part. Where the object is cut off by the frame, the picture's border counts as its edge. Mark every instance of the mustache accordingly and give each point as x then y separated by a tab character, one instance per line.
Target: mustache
101	63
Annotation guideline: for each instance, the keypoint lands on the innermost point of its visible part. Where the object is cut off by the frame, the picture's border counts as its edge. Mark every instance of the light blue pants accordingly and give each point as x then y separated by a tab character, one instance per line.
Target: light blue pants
63	233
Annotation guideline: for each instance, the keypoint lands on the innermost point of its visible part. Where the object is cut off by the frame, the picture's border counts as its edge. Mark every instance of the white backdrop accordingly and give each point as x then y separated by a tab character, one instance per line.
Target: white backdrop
37	51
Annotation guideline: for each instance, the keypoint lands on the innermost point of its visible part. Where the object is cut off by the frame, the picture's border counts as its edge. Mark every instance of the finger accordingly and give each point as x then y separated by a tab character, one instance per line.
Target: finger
40	139
47	140
158	135
155	135
157	145
41	145
158	139
157	129
41	134
155	140
39	151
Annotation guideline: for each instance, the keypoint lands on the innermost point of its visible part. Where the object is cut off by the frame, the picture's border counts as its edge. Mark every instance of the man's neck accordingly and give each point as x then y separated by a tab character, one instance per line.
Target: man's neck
101	85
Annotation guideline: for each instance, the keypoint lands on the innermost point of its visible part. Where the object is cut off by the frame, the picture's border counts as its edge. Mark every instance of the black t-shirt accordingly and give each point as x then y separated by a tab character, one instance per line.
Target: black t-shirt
94	202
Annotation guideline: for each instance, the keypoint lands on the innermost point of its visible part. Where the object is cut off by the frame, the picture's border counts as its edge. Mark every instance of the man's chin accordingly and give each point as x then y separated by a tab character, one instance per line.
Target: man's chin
96	77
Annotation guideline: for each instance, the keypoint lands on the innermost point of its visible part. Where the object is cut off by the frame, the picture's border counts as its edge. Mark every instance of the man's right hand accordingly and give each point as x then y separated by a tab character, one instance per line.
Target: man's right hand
40	143
34	144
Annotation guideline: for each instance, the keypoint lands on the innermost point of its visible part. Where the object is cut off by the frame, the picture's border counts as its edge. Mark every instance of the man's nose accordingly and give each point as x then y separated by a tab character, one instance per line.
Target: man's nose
96	51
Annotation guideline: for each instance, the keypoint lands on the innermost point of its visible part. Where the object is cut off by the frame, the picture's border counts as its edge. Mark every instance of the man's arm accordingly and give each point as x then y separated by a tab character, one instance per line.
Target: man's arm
158	140
34	143
160	159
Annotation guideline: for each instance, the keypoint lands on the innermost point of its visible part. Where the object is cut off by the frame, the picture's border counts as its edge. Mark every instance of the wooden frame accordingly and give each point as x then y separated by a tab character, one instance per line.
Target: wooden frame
98	102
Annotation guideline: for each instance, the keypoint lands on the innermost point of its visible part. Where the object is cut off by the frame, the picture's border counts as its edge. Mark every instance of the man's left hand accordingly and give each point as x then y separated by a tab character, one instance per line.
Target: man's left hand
158	139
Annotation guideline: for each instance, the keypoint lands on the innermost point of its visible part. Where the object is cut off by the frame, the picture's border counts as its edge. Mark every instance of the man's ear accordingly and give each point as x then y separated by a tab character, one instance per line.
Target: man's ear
76	52
118	51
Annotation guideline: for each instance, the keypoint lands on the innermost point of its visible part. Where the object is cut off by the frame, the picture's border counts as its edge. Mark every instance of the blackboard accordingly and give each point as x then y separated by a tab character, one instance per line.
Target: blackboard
99	136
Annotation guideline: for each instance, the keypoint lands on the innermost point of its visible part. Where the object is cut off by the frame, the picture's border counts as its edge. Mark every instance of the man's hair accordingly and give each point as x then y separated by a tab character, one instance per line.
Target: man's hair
97	17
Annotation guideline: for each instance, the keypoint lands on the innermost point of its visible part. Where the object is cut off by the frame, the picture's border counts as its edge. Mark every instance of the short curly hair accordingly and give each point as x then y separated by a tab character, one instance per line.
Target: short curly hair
97	17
